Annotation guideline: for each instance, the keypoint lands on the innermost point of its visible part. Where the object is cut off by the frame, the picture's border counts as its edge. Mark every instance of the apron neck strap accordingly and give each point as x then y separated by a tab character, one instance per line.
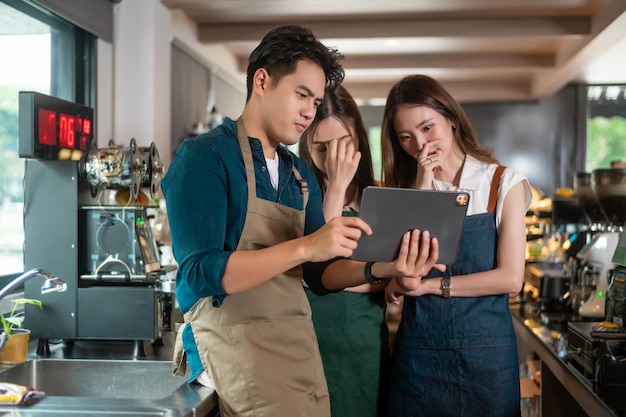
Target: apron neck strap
304	186
493	193
246	151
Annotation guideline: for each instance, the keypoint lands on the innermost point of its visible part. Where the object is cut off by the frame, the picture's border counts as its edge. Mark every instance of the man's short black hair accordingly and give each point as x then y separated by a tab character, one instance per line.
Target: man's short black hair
282	48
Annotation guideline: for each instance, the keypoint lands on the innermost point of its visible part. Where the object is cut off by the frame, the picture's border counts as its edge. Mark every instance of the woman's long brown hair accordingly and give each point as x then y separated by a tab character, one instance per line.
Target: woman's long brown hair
399	168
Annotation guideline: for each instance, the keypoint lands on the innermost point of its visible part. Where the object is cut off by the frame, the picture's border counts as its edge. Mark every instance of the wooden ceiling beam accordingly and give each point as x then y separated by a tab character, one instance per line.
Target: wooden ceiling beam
444	60
450	60
463	91
411	27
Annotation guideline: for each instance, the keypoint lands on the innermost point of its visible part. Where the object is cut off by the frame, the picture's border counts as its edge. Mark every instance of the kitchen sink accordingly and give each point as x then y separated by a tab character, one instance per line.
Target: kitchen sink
107	388
96	378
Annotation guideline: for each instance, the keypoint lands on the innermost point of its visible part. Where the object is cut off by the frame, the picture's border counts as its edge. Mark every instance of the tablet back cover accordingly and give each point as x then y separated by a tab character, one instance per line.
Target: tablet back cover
391	212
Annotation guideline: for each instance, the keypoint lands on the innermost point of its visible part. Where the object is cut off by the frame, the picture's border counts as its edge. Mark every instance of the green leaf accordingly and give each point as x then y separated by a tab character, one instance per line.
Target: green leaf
28	301
16	320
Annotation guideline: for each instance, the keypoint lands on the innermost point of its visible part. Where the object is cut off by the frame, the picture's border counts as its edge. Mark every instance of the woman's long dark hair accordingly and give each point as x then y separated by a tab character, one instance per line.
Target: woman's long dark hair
339	103
399	168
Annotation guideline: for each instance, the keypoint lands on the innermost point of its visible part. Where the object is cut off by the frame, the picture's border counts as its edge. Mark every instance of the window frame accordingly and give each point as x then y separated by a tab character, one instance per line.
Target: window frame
73	64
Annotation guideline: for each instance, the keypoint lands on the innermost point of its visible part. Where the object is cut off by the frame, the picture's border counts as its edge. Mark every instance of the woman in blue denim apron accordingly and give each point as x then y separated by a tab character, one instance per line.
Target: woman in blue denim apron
455	353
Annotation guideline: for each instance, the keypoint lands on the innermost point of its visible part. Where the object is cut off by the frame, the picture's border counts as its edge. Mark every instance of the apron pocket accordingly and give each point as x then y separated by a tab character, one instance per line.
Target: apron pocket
276	367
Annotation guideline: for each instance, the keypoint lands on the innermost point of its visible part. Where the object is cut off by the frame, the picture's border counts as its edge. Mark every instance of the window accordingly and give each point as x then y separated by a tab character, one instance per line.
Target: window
606	126
38	53
374	134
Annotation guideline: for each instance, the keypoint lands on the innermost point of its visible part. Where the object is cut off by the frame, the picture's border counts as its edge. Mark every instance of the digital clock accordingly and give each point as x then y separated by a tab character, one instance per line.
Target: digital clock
52	128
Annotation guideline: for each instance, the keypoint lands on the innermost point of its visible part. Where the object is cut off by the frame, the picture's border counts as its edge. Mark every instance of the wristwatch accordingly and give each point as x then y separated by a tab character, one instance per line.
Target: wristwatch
445	287
371	278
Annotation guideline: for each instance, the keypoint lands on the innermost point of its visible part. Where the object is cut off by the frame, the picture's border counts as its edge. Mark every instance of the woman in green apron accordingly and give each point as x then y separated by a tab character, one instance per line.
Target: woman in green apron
350	325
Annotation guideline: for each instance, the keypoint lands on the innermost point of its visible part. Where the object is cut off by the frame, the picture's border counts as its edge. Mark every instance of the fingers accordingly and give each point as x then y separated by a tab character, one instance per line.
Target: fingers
427	246
429	160
434	250
356	158
430	155
338	237
341	149
419	247
356	223
331	149
342	160
392	296
404	248
418	253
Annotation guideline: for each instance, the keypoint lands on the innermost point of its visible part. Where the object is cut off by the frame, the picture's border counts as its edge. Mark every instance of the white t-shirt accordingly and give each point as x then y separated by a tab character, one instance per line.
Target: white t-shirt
476	181
272	169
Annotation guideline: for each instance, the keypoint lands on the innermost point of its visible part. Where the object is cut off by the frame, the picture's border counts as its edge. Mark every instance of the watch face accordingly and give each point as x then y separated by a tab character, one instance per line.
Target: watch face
445	287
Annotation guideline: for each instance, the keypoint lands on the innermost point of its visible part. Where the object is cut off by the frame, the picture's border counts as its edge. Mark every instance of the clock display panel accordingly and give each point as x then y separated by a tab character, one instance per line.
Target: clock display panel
52	128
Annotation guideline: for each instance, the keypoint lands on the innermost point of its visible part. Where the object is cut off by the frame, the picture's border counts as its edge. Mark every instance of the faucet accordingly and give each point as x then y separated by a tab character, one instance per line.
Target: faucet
52	283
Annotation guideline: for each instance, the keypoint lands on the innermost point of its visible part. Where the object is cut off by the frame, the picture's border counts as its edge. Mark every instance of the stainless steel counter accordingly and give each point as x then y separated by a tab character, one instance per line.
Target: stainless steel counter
563	391
185	399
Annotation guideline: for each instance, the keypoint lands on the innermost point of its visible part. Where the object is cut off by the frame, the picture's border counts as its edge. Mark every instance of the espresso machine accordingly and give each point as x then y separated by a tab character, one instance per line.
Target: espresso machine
86	217
609	188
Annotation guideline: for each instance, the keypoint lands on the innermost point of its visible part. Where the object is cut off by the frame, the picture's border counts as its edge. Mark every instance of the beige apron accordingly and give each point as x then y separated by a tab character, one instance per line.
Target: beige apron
260	347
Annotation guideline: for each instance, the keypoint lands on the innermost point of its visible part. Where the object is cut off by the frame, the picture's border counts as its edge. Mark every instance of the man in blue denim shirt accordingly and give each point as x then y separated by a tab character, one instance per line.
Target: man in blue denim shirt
247	225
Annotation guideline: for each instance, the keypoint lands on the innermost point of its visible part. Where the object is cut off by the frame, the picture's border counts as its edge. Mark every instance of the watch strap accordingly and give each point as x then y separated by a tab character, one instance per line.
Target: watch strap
368	274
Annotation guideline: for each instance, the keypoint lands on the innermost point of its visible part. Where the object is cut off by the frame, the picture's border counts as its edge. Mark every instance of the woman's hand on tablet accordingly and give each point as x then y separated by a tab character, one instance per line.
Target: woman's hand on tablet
418	254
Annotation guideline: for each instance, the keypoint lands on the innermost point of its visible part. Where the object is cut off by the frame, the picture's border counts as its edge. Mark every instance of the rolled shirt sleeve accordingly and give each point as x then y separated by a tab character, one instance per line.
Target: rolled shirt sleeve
195	190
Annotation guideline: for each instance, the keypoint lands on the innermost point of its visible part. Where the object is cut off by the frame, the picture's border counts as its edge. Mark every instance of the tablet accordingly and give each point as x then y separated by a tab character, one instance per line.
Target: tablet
391	212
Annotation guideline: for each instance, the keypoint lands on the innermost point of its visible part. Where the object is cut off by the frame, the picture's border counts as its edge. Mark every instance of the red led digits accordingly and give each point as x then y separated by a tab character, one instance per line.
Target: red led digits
47	127
86	129
67	131
73	132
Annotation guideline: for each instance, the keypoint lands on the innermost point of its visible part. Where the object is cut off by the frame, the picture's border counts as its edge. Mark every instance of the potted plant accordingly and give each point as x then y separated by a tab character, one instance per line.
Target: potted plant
14	339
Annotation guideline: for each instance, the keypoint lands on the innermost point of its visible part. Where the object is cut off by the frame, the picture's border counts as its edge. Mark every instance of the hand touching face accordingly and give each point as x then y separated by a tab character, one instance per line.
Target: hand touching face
334	150
427	136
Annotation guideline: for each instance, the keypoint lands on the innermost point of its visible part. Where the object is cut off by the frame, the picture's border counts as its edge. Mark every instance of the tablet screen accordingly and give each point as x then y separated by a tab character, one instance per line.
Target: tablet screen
391	212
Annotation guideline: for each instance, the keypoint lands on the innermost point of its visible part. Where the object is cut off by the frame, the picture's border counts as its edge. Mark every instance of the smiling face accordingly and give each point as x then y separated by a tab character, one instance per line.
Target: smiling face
422	129
290	104
328	130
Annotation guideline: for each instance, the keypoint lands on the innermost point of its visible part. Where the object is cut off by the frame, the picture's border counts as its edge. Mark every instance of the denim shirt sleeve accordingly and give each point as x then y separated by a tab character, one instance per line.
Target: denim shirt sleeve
196	194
